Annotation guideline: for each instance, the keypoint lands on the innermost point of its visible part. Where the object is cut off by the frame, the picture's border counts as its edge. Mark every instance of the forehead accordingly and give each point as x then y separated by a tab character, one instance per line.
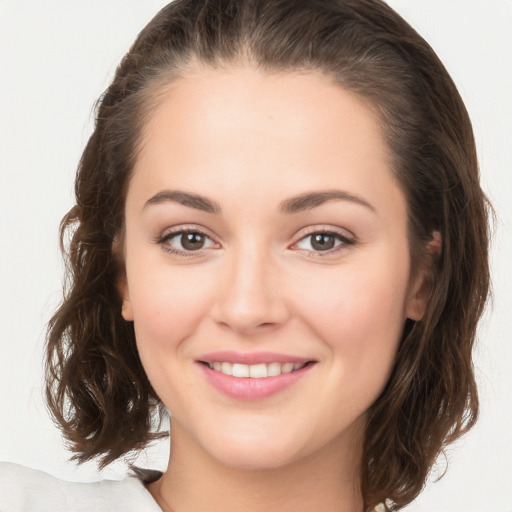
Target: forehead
221	105
216	130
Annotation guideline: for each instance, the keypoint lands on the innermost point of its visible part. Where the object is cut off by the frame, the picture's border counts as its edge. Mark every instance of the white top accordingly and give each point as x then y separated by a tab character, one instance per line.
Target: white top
27	490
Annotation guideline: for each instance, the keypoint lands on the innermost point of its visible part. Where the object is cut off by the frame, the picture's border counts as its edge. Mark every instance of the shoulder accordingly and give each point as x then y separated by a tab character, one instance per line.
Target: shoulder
25	489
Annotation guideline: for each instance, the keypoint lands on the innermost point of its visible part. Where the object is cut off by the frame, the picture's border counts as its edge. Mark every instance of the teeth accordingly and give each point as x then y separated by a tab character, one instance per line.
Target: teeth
240	370
226	368
274	369
255	371
287	368
258	371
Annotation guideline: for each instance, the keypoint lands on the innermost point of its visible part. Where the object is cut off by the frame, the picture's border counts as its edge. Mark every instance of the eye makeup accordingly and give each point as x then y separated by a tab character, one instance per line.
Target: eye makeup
316	241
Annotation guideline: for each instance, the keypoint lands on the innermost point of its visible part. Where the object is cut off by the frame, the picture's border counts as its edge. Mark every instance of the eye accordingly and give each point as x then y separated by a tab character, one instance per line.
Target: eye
186	241
322	241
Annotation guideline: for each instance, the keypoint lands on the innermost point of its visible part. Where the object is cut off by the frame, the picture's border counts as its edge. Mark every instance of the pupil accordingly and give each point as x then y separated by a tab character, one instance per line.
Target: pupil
192	241
322	242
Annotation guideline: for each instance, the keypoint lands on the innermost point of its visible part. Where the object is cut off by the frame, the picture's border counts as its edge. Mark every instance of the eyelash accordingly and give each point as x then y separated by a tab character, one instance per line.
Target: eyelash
165	240
343	239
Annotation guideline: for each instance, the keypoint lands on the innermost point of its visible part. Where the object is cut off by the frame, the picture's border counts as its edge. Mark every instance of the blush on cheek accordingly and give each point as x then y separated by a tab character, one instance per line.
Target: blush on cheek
358	315
168	309
161	323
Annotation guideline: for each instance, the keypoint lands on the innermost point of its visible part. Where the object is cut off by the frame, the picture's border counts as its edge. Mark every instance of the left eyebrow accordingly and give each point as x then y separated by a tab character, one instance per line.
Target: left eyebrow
186	199
313	199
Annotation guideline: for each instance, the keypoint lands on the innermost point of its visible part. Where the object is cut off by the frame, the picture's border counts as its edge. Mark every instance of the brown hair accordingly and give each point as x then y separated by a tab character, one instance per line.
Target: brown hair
96	387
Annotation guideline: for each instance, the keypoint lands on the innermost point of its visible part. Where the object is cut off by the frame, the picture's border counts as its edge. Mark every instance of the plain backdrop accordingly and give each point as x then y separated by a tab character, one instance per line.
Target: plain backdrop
57	56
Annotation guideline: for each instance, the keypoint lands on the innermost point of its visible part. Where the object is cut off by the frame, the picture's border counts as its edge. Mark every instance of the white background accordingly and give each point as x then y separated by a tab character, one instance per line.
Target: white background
57	56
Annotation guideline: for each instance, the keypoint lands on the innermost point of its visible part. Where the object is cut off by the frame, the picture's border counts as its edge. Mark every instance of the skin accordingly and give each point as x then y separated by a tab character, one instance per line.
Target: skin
249	141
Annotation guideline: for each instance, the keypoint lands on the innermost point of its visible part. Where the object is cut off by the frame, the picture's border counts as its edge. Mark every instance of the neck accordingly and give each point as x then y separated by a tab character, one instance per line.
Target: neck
327	480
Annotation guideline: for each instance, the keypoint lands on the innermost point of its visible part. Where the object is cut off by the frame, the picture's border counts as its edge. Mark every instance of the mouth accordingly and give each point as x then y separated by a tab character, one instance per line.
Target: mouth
255	371
253	376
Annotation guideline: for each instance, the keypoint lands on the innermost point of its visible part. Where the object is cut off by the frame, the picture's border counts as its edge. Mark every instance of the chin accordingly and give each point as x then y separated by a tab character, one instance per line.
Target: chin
256	457
255	450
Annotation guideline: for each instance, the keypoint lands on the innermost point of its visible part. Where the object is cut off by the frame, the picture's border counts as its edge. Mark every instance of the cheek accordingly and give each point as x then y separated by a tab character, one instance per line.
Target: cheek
167	310
359	310
167	307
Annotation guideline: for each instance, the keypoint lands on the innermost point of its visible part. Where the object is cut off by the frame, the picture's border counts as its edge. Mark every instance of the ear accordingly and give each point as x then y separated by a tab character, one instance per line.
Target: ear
421	286
122	281
124	293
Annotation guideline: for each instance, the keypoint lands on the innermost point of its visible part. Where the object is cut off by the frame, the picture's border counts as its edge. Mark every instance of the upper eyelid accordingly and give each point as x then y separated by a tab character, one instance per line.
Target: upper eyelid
311	230
186	228
299	235
347	239
164	237
163	240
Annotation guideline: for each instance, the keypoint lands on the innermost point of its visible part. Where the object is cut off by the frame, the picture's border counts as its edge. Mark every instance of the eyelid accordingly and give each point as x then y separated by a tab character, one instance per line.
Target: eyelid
173	231
347	237
186	228
324	228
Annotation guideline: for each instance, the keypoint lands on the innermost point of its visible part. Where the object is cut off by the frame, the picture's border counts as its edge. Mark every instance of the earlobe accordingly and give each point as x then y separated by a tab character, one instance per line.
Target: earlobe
421	288
435	245
122	283
124	294
417	303
126	308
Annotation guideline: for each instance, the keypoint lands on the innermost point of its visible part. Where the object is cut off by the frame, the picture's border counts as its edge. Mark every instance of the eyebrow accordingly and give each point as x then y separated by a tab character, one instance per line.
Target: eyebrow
186	199
296	204
313	199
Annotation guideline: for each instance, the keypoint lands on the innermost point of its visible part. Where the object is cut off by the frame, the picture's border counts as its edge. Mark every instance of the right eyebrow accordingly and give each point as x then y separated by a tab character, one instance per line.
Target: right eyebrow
186	199
311	200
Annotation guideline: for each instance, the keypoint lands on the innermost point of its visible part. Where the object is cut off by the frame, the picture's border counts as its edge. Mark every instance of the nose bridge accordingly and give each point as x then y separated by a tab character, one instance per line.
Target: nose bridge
250	298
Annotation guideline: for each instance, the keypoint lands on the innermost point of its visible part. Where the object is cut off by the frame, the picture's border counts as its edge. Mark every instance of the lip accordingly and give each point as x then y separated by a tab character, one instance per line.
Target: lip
250	358
247	388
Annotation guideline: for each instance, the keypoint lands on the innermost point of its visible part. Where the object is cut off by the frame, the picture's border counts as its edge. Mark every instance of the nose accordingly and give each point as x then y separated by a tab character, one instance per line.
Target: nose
251	298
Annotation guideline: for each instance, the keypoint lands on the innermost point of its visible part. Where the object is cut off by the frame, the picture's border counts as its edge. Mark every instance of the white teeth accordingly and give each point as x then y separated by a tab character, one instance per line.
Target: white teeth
287	368
240	370
226	368
274	369
258	371
255	371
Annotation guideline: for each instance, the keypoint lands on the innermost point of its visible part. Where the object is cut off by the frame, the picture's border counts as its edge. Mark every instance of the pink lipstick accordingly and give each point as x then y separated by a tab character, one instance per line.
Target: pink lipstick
253	376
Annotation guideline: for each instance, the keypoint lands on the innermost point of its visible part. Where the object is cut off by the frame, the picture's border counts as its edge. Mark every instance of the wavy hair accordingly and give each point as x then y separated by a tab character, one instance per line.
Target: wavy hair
97	389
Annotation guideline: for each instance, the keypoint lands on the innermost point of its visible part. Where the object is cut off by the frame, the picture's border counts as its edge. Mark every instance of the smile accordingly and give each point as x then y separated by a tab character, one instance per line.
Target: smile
255	371
254	376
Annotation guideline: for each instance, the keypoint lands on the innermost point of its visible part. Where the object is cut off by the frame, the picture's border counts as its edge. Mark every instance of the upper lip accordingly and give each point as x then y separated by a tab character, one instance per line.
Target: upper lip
251	358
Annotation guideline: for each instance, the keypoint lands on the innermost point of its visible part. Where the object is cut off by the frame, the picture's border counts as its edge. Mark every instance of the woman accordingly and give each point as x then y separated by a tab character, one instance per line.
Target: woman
280	236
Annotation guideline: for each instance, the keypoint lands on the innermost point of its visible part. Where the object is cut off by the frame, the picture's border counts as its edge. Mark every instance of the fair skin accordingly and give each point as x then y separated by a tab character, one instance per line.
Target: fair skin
326	281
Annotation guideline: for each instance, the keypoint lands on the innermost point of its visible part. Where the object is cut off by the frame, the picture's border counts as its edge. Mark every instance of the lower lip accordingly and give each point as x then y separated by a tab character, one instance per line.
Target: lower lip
247	388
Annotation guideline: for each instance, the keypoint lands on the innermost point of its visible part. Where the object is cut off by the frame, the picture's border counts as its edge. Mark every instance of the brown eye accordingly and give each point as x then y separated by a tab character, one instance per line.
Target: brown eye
192	241
186	242
322	241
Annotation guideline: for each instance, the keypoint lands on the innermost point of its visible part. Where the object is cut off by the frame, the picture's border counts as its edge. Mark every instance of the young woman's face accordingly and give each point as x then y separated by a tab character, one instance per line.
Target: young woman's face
267	263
